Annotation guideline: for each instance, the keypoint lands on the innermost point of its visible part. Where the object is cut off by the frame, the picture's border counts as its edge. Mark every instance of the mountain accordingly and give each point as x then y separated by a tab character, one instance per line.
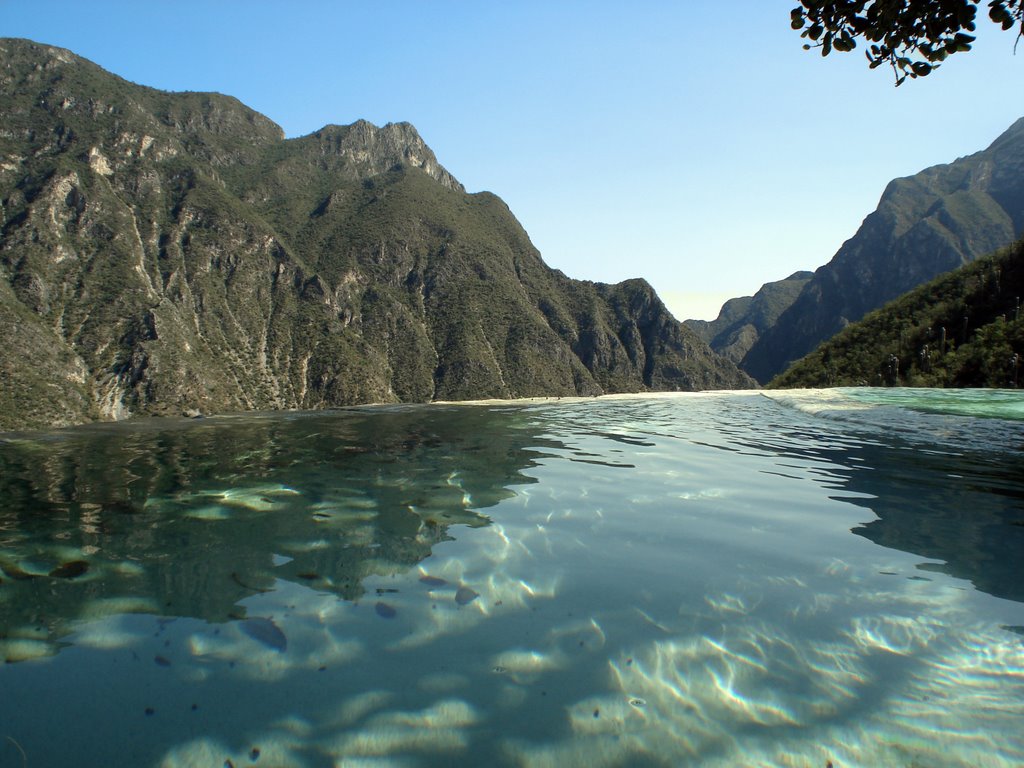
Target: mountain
962	329
741	321
163	253
942	218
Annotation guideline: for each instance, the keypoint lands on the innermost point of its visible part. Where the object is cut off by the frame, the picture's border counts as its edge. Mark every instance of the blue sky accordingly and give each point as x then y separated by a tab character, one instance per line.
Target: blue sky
694	144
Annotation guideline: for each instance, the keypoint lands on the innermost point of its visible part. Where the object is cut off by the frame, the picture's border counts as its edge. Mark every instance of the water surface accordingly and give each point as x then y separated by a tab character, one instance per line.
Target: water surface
714	579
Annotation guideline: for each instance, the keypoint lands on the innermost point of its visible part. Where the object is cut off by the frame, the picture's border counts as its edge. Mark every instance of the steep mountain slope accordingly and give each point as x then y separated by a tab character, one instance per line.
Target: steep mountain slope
927	224
163	253
741	321
962	329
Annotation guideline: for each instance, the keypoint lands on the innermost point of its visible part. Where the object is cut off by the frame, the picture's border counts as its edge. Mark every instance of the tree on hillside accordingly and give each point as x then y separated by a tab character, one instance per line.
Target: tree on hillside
912	36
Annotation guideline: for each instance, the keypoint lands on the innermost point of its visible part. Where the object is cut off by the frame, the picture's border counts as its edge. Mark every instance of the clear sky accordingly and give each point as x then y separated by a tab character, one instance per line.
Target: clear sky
691	143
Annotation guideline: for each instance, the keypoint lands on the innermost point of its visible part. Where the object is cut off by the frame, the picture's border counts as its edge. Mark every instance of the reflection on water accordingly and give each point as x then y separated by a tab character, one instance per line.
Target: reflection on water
647	581
188	519
945	487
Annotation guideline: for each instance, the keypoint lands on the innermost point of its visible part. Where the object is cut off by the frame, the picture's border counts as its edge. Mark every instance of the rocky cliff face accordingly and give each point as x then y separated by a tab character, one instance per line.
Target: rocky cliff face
161	253
927	224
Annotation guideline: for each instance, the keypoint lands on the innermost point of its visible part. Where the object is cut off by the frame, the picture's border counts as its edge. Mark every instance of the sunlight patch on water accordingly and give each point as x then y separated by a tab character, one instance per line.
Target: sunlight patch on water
15	649
262	498
101	607
901	635
107	633
500	593
210	512
278	749
701	692
731	604
699	695
439	728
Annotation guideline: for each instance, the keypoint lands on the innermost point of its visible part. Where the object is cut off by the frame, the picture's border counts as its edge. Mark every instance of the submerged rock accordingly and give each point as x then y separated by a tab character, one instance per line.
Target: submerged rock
265	631
70	570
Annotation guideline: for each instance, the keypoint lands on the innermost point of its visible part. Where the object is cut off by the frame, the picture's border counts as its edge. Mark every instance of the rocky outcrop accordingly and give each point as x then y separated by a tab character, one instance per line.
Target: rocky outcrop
165	253
362	149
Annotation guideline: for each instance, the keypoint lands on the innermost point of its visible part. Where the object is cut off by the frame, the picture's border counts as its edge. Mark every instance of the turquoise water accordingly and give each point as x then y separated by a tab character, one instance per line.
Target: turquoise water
788	578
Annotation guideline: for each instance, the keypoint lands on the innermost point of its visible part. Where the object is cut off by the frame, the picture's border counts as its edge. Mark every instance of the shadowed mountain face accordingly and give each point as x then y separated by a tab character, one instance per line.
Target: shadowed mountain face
741	321
940	219
962	329
165	252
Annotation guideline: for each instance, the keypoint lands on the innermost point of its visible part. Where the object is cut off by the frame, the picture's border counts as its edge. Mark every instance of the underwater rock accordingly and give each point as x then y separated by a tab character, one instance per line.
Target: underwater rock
265	631
465	596
70	570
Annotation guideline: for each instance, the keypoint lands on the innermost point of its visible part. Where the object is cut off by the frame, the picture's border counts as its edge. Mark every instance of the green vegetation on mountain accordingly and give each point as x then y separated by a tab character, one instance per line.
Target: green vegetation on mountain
963	329
163	253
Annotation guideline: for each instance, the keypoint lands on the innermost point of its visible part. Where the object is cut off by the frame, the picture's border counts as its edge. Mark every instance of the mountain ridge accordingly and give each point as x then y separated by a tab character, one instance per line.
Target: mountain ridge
163	253
941	218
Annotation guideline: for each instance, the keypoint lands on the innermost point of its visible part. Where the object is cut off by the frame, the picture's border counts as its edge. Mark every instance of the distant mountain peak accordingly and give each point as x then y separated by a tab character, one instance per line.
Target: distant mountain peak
375	150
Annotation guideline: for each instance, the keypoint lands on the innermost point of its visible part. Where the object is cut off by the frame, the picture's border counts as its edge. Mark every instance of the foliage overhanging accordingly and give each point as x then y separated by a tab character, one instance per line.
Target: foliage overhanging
912	36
